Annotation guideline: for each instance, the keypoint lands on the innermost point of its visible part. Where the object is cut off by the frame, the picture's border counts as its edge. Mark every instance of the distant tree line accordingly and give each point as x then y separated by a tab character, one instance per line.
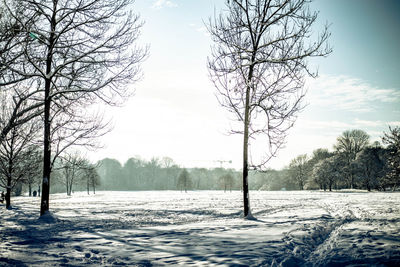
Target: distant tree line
163	174
20	171
355	163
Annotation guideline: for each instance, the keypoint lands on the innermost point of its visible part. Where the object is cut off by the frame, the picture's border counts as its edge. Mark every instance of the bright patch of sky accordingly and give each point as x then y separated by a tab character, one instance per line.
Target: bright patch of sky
175	113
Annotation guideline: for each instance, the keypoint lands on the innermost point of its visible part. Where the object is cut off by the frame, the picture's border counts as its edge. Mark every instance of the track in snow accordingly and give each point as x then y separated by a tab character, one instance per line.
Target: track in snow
204	228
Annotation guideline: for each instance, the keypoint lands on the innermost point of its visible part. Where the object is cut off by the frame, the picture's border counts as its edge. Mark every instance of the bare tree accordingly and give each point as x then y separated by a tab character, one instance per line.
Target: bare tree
72	166
79	50
392	139
299	170
259	65
91	176
184	181
371	165
19	160
226	181
328	171
350	143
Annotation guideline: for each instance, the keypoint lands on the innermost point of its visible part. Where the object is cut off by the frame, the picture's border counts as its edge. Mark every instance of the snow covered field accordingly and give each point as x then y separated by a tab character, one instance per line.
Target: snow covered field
157	228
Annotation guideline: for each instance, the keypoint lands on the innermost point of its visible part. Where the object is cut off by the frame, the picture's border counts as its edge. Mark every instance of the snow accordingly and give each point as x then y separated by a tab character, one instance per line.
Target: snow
203	228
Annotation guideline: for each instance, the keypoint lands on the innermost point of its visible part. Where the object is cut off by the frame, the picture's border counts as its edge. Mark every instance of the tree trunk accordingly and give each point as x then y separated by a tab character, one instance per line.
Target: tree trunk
8	193
87	187
352	181
246	203
30	189
70	188
44	205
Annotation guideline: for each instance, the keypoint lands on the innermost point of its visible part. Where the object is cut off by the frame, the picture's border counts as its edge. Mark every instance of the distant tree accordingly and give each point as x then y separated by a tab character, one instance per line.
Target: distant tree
227	181
392	140
328	171
298	170
19	161
371	166
34	178
72	166
167	162
184	181
110	171
200	178
152	170
319	174
271	180
132	172
91	176
350	143
258	65
317	155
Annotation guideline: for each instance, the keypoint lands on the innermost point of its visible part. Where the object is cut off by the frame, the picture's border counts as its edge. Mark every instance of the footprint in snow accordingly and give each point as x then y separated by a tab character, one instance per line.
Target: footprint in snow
78	248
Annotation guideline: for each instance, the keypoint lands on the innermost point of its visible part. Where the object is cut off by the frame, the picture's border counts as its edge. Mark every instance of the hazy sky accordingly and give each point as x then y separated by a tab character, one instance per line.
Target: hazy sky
175	113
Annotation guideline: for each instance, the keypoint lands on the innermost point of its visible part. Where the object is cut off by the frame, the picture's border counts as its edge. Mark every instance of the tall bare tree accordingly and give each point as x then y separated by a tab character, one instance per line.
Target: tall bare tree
79	50
259	65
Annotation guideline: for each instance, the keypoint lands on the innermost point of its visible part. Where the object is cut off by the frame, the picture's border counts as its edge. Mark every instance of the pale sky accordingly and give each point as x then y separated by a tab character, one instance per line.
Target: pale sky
174	111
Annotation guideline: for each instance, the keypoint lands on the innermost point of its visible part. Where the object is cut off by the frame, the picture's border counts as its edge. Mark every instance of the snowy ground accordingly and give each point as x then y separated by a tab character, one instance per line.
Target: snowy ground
163	228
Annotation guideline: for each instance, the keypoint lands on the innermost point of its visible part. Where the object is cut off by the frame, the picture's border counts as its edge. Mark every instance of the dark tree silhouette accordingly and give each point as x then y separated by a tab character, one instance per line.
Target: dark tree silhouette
80	51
